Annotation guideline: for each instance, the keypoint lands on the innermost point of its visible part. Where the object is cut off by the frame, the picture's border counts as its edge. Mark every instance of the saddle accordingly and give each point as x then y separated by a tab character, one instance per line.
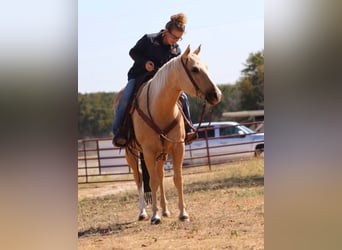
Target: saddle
127	128
127	125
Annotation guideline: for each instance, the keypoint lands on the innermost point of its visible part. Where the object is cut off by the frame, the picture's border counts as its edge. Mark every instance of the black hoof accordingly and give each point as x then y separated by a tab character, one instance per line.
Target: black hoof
184	218
142	217
155	221
166	214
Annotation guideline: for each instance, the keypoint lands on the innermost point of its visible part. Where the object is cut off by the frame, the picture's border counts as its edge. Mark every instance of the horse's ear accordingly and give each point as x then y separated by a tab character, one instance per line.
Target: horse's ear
186	52
197	51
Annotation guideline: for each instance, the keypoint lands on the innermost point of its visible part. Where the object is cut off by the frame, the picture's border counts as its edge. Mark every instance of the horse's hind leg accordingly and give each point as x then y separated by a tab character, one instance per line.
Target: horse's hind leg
132	161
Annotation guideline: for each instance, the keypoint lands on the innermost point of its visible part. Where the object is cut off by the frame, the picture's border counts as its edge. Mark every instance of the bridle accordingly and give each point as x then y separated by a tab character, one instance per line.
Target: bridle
198	90
190	77
149	119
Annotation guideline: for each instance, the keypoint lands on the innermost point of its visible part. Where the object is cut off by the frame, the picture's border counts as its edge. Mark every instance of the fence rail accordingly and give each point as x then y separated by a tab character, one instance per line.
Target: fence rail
99	161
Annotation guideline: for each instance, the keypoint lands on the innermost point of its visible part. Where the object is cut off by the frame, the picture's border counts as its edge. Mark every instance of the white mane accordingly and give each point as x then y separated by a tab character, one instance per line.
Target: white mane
160	78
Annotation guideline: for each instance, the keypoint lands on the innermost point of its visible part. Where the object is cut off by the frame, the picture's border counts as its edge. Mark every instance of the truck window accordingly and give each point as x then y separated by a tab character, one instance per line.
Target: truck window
228	131
210	133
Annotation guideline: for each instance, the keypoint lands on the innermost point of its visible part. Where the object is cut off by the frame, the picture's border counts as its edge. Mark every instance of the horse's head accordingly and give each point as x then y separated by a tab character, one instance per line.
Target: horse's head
202	85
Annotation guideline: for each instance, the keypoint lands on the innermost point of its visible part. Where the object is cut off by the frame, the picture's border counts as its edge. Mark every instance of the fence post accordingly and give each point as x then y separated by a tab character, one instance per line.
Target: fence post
98	156
207	148
85	160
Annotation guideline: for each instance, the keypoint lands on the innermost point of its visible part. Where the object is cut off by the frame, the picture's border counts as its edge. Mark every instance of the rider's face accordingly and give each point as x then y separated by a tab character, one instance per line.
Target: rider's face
173	36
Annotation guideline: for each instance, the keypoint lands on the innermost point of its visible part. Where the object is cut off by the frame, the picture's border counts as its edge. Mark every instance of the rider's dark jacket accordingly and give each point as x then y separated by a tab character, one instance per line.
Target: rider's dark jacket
151	48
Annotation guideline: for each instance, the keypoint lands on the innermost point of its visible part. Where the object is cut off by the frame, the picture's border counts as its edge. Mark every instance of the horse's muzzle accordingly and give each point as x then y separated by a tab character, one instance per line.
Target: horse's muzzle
213	96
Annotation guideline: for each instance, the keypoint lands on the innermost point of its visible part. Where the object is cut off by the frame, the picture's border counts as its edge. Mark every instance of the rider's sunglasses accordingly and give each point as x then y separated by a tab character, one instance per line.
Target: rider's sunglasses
174	37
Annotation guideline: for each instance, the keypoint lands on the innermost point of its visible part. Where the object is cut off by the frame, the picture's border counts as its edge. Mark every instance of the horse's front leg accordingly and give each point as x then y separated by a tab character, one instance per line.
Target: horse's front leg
178	181
133	163
154	184
163	202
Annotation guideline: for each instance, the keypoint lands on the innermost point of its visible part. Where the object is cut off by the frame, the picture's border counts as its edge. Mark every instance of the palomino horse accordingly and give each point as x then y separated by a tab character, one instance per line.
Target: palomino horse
160	131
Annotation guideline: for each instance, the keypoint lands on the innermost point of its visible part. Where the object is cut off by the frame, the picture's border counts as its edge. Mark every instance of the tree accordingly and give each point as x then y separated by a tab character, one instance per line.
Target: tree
95	114
230	98
251	84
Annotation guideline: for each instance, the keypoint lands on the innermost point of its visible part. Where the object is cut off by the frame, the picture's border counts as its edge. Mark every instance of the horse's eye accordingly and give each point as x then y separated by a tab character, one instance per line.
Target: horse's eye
195	70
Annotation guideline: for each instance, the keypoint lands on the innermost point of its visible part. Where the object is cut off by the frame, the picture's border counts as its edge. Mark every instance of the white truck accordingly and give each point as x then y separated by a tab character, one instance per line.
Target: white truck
223	141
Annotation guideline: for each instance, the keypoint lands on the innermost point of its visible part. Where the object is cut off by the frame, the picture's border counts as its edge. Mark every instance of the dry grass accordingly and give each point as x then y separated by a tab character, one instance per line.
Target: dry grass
226	208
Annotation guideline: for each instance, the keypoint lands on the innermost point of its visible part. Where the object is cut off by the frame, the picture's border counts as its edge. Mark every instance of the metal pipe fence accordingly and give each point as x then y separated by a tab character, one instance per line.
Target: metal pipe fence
99	161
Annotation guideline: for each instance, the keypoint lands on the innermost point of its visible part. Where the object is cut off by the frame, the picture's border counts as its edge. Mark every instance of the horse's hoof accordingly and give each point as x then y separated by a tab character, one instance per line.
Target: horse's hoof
142	217
155	221
166	214
184	218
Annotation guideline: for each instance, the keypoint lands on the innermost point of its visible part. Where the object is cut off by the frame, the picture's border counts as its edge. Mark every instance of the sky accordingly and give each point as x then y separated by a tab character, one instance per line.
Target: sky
228	31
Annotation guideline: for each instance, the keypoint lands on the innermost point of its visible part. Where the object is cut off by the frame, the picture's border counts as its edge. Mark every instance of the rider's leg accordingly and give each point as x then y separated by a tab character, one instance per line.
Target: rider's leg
190	132
120	139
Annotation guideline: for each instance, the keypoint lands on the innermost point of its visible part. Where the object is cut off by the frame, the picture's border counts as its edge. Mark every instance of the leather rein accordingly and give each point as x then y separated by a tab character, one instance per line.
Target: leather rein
149	119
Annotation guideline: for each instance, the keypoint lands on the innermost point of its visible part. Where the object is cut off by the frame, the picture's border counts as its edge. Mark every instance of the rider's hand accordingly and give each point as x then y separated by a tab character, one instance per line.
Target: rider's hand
149	66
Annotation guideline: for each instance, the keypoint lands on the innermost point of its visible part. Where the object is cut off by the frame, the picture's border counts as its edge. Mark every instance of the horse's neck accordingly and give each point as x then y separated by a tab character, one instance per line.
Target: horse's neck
163	98
166	98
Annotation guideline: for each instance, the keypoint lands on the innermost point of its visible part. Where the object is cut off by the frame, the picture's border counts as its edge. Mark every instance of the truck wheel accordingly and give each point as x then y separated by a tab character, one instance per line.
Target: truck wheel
259	152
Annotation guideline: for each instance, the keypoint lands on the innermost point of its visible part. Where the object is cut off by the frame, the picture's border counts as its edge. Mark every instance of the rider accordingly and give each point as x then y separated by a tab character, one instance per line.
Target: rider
149	54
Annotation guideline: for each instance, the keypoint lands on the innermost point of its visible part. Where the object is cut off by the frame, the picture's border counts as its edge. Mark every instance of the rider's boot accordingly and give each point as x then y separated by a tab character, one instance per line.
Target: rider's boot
119	133
191	134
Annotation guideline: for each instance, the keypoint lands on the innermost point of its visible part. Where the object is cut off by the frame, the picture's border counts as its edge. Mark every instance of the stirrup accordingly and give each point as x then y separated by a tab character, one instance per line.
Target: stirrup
119	141
190	137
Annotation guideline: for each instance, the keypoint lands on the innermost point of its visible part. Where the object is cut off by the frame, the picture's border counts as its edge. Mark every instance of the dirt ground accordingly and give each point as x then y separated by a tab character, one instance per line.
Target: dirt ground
226	209
105	189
